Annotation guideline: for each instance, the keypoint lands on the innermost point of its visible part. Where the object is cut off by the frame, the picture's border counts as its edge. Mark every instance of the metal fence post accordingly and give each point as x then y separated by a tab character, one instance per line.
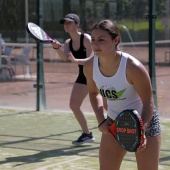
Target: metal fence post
152	17
41	98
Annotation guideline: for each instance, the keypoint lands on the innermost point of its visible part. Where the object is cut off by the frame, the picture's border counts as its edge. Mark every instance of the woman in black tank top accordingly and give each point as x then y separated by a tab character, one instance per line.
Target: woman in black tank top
77	49
79	54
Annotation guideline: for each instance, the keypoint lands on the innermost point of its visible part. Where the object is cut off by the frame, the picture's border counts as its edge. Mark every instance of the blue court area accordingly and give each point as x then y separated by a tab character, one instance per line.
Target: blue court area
42	141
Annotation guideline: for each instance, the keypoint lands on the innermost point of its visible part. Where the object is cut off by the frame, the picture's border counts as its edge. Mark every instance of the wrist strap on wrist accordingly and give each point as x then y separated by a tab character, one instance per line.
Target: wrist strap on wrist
102	122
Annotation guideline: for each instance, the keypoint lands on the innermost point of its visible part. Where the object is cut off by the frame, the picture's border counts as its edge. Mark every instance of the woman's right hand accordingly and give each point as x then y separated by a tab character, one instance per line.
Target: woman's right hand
56	44
104	127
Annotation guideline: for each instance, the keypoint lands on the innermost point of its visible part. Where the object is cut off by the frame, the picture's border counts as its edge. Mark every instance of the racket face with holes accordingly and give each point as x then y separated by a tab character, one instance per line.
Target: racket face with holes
38	33
127	129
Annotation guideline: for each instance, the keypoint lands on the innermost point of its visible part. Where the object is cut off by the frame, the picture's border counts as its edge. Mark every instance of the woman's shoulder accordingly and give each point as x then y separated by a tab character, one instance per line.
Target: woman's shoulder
134	66
87	36
67	41
131	59
87	40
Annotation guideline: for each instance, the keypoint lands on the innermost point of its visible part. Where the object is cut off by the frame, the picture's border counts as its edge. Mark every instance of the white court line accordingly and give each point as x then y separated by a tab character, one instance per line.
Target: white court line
59	163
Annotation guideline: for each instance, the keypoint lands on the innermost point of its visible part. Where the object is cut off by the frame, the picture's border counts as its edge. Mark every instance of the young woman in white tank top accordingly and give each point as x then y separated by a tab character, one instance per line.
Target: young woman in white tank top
124	82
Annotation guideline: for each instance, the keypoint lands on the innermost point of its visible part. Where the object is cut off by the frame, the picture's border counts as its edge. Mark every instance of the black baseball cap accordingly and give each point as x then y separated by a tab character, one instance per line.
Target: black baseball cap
70	17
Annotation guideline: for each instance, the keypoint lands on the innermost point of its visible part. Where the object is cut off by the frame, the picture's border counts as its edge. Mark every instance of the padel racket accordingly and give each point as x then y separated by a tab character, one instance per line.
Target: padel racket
38	33
128	130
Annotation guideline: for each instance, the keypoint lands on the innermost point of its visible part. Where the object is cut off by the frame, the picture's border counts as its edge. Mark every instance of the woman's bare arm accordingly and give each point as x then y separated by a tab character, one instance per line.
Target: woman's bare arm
139	77
89	52
62	51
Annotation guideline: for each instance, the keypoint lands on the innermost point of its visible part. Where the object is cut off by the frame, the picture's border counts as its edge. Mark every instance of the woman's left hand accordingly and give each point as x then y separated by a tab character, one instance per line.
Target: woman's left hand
142	143
71	57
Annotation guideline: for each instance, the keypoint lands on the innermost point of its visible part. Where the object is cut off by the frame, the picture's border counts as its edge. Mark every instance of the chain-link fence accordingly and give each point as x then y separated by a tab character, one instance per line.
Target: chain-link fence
60	76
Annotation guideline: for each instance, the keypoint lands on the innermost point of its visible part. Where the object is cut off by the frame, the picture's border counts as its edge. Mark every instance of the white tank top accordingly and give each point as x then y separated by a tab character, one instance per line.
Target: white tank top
119	93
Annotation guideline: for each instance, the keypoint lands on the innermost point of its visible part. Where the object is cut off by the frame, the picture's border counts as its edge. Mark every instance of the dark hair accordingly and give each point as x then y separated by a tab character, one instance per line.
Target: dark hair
110	27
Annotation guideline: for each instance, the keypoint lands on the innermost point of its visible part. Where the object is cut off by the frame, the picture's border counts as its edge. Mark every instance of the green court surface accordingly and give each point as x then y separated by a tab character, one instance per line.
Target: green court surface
42	141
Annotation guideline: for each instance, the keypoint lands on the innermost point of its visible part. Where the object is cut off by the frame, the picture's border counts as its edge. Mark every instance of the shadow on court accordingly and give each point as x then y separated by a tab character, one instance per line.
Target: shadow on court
42	141
43	155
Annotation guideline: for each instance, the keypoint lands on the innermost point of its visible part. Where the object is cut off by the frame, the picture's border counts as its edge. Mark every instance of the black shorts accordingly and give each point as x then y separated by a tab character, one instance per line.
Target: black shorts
154	127
81	79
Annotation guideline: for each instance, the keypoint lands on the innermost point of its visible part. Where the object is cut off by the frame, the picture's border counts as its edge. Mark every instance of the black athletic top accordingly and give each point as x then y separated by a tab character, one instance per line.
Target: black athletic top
79	54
